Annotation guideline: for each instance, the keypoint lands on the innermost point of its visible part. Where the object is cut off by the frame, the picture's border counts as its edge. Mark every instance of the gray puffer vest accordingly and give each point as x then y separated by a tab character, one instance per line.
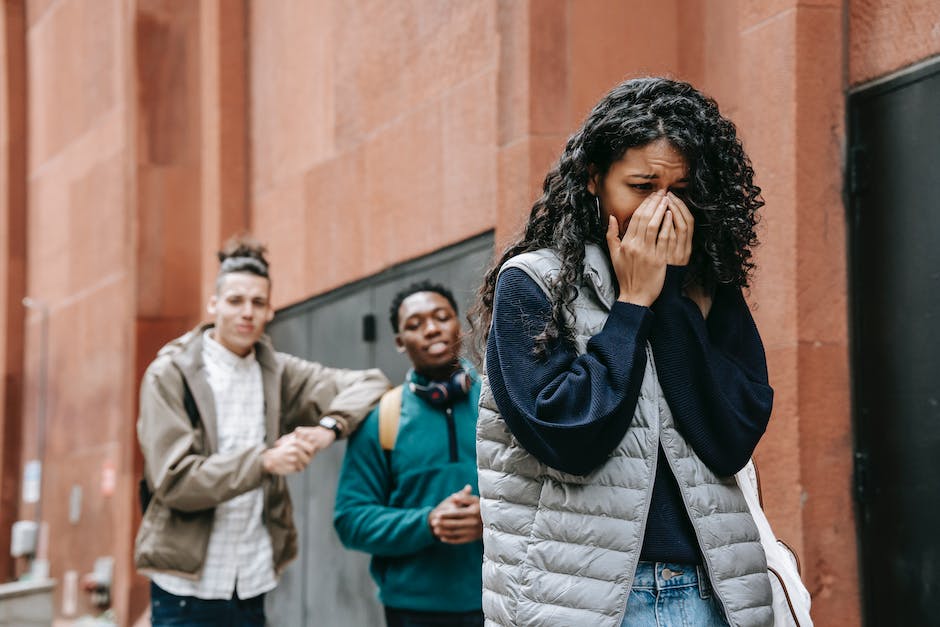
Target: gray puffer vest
562	549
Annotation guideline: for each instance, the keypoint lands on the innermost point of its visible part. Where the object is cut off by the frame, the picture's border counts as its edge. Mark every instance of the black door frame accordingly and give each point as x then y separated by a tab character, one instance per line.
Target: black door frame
856	175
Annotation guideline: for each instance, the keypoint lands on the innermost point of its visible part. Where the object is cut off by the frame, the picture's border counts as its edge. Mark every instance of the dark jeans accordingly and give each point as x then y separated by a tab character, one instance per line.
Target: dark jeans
409	618
168	609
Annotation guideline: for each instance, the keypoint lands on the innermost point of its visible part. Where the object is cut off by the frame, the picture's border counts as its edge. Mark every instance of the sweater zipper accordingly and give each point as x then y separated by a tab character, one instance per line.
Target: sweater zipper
706	559
451	433
649	496
635	560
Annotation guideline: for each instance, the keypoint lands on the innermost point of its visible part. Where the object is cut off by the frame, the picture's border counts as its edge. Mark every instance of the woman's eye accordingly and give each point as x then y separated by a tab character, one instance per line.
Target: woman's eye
642	187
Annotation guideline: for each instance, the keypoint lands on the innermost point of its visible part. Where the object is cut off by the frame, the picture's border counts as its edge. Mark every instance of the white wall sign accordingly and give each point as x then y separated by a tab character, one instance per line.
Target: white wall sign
32	481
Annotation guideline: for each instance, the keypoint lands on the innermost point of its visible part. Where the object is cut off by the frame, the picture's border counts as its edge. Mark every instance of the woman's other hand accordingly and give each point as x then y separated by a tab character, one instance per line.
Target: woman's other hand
639	258
681	248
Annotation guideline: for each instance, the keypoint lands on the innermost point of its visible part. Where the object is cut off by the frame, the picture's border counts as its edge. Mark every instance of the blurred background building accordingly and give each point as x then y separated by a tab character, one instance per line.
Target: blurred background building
370	141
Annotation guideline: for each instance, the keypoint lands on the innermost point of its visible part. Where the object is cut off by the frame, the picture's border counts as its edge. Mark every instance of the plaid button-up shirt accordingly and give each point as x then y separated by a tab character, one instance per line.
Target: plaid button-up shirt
239	557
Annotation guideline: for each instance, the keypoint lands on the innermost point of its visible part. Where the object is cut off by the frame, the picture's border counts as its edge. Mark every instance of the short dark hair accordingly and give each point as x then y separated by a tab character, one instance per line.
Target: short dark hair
414	288
242	253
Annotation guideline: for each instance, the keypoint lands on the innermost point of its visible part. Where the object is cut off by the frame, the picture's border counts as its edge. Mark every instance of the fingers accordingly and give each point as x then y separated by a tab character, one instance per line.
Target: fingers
464	497
285	458
457	501
643	214
613	235
299	453
666	237
653	226
452	512
305	433
469	535
321	438
465	528
683	217
450	523
681	248
466	500
456	519
304	444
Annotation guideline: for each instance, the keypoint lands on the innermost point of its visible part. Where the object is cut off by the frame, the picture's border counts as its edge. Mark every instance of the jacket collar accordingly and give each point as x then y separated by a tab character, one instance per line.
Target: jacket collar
599	275
187	355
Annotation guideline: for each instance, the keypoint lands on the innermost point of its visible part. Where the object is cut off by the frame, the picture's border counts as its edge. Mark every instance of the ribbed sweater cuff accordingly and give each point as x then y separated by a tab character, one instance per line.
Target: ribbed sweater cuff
628	320
672	286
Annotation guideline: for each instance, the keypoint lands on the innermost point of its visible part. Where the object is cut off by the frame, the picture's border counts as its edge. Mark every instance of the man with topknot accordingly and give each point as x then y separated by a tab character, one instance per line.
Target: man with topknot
223	419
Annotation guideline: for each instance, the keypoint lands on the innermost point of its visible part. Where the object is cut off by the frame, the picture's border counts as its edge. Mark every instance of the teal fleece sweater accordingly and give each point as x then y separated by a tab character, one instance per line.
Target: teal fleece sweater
382	505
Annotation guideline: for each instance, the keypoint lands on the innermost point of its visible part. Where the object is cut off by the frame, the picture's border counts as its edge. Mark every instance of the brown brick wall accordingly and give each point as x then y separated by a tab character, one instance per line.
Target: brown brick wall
355	135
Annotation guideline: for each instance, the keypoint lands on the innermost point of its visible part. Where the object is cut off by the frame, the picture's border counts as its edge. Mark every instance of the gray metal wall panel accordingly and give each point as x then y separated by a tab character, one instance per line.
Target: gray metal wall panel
328	586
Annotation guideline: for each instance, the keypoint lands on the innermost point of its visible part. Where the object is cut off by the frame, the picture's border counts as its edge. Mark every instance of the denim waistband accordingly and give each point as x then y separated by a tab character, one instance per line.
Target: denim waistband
665	575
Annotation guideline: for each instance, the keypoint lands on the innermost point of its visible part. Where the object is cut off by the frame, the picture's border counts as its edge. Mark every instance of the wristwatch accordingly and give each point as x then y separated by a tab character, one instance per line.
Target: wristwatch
329	422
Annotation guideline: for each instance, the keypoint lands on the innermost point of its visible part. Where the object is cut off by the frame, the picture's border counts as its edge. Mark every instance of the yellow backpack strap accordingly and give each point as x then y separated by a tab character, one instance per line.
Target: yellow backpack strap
389	415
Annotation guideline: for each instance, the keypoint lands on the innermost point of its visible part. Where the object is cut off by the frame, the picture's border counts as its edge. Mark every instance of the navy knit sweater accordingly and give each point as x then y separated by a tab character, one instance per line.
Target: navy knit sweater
570	411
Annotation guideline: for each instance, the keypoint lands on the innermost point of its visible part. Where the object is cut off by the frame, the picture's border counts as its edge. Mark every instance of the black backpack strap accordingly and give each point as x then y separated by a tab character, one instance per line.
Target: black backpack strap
189	404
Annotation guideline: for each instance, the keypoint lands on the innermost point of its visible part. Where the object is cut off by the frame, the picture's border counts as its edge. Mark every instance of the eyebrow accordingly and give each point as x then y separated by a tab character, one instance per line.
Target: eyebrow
427	313
650	177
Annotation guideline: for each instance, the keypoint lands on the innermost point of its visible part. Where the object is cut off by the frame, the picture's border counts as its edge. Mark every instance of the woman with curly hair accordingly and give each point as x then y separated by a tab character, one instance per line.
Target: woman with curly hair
626	382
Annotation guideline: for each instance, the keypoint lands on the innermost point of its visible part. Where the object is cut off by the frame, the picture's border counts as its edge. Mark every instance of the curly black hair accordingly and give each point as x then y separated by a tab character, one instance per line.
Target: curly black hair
242	253
414	288
721	193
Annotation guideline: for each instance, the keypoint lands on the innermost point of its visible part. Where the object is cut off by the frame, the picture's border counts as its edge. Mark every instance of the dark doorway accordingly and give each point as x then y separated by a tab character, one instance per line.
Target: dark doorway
327	585
894	227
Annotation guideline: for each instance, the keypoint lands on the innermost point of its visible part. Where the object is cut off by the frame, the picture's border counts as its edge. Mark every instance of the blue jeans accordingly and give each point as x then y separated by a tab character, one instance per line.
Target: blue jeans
672	595
169	609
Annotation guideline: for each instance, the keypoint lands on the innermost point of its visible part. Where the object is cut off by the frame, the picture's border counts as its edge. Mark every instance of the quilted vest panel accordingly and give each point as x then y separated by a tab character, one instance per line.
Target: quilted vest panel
562	549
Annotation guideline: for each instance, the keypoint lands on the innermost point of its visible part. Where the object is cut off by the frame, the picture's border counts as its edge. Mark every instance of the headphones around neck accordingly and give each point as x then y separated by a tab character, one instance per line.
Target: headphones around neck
444	393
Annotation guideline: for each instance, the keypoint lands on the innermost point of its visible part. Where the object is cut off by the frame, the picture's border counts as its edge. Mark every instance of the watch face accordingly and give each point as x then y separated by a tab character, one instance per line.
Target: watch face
328	422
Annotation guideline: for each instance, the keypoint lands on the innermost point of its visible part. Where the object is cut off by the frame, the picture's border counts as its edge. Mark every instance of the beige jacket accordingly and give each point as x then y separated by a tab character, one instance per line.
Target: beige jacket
189	478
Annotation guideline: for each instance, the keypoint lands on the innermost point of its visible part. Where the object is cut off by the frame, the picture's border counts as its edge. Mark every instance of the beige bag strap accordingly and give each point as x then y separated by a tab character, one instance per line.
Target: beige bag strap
389	415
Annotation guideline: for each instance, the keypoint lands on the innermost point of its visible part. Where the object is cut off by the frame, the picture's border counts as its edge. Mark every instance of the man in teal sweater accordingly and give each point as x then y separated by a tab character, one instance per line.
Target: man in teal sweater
409	496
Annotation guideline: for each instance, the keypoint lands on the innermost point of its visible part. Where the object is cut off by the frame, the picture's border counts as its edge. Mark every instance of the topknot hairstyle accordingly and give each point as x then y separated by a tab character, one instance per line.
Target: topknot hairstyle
721	193
242	253
414	288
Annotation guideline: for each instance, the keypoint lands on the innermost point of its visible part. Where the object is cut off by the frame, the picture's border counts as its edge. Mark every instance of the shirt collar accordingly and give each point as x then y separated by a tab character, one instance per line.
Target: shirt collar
219	355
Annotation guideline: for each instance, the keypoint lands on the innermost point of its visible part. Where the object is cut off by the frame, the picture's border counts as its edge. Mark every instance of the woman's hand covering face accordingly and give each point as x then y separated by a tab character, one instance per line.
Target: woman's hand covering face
684	224
640	257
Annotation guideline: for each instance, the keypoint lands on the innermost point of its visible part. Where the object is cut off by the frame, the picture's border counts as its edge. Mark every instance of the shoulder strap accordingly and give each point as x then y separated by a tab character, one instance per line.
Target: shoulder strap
389	415
189	404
